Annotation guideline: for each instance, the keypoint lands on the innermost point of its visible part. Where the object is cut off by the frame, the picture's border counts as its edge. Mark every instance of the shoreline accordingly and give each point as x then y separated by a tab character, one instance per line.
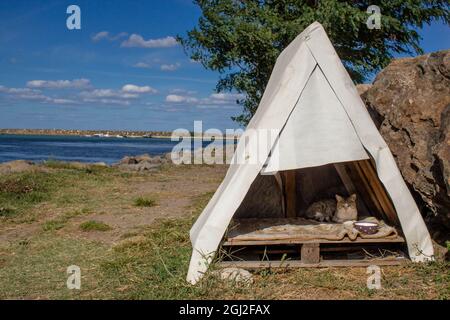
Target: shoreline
85	133
101	133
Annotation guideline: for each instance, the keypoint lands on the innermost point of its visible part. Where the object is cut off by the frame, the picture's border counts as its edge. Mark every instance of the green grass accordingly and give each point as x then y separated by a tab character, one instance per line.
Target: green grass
145	202
56	164
93	225
87	168
153	265
53	225
151	262
7	212
36	268
60	222
20	192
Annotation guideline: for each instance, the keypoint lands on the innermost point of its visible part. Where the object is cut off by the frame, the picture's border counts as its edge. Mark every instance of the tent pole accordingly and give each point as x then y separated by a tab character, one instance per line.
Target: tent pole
290	193
385	202
345	178
348	183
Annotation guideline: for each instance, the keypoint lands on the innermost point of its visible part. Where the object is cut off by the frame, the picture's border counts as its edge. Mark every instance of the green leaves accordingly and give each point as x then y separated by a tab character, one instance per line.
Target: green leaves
241	39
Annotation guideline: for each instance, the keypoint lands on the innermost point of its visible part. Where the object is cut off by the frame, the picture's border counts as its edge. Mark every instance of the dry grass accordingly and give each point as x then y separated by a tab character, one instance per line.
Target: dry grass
146	252
93	225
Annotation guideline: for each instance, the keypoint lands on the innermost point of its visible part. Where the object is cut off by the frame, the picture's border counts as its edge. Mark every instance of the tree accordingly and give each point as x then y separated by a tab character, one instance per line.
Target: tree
241	39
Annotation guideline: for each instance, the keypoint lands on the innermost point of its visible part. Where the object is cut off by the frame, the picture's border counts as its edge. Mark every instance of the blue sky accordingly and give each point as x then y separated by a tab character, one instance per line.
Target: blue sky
122	70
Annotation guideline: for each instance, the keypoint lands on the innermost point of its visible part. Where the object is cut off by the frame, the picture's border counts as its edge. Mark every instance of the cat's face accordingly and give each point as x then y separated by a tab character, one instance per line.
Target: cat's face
346	203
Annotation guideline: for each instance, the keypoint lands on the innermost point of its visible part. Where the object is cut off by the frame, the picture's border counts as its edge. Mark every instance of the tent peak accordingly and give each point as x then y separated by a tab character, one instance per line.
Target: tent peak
307	33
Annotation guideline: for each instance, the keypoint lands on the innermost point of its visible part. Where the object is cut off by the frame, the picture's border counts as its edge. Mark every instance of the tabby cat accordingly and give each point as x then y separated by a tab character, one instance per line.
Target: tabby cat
345	209
339	210
321	210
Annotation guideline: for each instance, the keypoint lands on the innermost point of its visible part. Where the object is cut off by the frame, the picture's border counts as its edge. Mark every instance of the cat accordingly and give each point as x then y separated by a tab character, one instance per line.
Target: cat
345	209
322	210
339	210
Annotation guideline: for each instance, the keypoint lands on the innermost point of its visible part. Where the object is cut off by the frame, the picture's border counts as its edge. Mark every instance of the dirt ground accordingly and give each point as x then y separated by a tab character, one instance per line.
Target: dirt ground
173	189
129	233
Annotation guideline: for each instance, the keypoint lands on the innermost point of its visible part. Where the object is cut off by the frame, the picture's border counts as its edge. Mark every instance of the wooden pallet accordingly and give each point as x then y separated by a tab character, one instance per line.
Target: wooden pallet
290	264
236	242
311	251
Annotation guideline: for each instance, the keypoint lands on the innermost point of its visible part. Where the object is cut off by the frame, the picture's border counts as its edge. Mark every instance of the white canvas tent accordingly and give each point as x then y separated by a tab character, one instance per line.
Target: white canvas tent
311	100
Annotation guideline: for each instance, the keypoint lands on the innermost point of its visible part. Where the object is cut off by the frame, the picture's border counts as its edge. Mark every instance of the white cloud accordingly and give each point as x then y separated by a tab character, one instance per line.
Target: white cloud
204	106
170	67
63	101
136	40
33	92
132	88
34	95
172	110
18	90
214	101
99	36
183	91
226	96
105	35
108	101
142	65
174	98
223	99
120	97
100	93
107	93
59	84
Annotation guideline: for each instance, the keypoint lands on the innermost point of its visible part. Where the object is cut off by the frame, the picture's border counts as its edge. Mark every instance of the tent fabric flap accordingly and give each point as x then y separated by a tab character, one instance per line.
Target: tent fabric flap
318	131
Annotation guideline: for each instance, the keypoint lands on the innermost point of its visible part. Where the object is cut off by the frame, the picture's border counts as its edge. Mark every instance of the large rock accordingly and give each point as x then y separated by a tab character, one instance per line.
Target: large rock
143	162
410	103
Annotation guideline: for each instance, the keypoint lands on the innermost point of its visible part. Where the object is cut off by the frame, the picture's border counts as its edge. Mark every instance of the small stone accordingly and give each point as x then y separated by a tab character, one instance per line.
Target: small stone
100	164
237	275
128	160
143	157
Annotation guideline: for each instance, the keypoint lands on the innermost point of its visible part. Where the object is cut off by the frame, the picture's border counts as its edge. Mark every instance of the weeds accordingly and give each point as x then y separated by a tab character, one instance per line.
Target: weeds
145	202
20	191
60	222
151	262
93	225
7	212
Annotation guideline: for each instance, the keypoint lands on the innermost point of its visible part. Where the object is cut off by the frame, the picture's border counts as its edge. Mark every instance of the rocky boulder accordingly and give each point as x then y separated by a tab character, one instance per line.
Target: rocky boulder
410	103
143	162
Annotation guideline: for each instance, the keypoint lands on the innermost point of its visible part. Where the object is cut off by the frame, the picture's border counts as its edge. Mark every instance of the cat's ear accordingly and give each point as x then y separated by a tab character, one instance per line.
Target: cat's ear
352	197
339	198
